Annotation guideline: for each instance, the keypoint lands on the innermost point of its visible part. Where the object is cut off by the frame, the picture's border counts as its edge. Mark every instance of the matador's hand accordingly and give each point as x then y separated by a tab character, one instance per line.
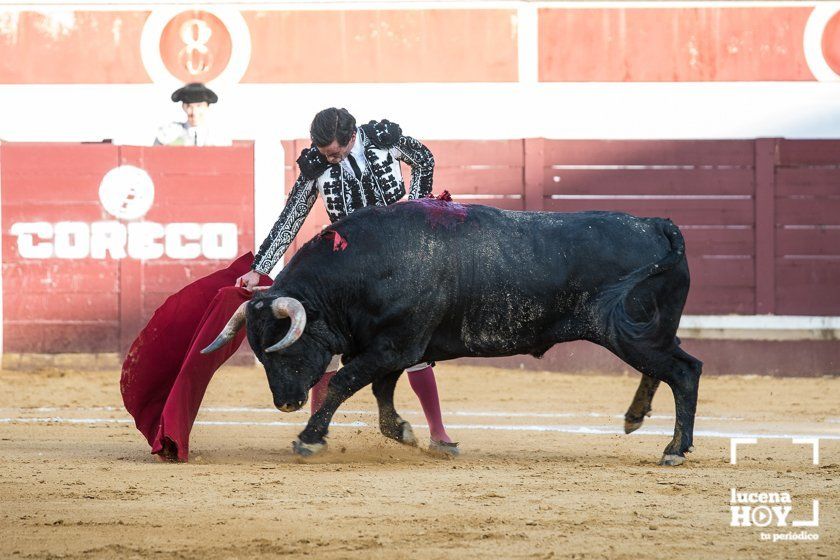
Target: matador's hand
249	281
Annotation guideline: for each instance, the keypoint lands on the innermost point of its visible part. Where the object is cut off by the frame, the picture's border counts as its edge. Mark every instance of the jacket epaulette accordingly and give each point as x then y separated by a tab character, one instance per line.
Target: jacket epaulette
383	134
312	163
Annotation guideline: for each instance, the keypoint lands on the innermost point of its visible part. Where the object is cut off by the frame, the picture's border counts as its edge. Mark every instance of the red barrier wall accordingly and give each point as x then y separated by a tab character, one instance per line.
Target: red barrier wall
760	219
67	304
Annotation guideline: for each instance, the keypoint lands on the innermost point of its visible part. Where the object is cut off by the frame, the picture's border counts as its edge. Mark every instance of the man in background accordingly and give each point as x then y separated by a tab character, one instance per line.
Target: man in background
195	99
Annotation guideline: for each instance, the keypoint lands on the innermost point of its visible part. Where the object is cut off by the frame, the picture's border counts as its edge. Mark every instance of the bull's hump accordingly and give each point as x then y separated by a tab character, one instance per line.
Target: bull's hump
441	213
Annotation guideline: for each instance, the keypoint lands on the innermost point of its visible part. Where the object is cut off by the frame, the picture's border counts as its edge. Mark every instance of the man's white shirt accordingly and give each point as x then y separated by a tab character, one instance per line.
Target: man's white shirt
181	134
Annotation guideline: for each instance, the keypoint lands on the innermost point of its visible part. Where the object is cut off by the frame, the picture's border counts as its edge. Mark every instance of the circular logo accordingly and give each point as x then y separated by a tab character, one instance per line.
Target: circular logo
127	192
211	46
195	46
831	42
761	516
822	42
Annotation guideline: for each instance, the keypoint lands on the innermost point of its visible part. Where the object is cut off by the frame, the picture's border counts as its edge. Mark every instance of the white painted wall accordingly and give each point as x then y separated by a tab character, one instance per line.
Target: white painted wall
130	114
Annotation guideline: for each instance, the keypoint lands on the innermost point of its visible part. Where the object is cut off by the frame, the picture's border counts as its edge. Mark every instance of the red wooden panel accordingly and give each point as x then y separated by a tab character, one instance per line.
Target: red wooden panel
707	272
131	296
198	212
795	153
808	210
649	152
41	189
207	189
502	180
470	153
766	152
808	241
39	159
57	212
718	300
808	286
170	276
46	276
53	338
682	212
719	241
179	160
293	148
534	163
56	306
732	181
808	181
289	153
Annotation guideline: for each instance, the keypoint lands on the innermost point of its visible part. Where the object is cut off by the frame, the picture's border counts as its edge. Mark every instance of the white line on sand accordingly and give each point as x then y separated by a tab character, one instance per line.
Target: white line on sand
567	429
466	413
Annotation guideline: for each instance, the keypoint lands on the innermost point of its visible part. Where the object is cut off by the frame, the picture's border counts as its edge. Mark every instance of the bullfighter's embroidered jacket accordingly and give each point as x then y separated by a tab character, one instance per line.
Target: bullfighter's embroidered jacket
383	147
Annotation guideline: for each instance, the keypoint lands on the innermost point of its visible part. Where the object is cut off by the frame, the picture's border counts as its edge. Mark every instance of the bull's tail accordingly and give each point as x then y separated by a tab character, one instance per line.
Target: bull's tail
610	305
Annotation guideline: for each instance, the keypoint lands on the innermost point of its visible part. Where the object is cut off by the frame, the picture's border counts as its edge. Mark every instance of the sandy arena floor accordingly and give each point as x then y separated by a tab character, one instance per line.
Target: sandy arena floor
545	473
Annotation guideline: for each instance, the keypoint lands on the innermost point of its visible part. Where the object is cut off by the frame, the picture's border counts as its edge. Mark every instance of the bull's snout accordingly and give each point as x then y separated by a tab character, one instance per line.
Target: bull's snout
292	404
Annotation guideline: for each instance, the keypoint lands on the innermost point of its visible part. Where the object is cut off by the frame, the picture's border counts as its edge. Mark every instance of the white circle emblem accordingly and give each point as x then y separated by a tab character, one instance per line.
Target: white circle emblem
812	41
240	36
127	192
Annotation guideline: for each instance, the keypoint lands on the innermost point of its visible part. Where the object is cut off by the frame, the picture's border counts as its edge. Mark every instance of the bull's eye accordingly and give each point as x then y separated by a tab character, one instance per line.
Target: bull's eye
258	305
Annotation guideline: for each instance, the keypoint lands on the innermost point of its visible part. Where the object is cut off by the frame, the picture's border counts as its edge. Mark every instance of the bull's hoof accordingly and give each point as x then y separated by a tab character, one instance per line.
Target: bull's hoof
690	449
400	431
672	460
443	448
631	423
307	449
407	436
630	427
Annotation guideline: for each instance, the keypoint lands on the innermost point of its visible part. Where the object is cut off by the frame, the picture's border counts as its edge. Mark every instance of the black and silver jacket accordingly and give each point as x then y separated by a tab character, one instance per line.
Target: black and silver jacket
381	184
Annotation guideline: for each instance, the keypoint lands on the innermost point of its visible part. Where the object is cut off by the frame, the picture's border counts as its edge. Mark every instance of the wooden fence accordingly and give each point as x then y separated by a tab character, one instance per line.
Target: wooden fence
761	217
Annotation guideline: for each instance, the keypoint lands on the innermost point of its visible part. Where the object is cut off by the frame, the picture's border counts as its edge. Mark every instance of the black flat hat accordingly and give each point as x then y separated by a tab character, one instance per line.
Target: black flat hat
194	93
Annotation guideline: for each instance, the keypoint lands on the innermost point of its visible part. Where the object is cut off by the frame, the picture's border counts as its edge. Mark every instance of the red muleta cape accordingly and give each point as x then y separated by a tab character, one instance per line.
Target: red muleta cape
164	375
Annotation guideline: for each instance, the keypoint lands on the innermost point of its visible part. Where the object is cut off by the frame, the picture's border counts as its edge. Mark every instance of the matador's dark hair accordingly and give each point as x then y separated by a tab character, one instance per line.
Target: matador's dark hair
332	124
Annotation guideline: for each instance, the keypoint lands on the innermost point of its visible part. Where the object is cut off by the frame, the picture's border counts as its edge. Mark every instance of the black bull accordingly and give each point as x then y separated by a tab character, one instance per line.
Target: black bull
389	287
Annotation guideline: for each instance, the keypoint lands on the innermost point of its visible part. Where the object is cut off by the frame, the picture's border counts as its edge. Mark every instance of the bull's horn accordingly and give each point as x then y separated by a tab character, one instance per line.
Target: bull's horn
283	307
233	325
